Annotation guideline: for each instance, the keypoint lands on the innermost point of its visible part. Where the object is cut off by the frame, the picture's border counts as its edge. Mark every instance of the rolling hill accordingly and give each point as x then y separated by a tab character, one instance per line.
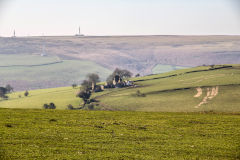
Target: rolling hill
139	54
199	120
28	72
188	90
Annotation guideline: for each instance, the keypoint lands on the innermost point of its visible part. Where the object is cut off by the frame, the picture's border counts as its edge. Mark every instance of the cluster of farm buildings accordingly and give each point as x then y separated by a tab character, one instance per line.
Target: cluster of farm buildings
118	82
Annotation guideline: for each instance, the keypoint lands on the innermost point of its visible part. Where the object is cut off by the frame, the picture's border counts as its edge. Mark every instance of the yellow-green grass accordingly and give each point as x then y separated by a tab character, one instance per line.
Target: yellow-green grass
227	100
61	97
163	92
64	134
160	68
176	94
179	72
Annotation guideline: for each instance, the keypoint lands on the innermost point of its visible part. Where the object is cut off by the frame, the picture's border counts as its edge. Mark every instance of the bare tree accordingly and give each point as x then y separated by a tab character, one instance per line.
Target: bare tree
93	77
86	85
126	74
122	73
110	79
9	88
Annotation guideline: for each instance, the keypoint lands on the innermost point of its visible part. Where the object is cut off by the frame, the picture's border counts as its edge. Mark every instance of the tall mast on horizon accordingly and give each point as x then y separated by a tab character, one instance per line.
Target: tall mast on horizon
79	32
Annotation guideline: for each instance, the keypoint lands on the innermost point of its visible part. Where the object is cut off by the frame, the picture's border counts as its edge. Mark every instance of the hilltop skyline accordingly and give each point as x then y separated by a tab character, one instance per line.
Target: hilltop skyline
121	17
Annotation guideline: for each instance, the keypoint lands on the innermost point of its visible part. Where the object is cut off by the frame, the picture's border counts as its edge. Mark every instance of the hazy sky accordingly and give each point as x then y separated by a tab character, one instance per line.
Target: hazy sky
119	17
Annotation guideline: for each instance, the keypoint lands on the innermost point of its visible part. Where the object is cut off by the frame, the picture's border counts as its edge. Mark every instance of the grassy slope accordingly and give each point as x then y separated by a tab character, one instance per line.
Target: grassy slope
161	93
165	68
65	134
26	59
47	76
154	87
42	134
60	96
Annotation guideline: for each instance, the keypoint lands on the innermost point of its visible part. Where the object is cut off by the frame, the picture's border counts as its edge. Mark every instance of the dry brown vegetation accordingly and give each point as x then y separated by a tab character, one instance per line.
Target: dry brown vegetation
136	53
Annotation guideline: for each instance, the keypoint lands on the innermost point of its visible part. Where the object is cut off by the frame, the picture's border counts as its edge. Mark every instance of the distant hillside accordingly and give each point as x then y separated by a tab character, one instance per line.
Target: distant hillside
136	53
28	72
188	90
82	55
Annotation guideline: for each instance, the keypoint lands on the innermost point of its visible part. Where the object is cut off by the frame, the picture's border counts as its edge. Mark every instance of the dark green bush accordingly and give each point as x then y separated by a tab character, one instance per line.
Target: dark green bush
90	106
70	107
49	106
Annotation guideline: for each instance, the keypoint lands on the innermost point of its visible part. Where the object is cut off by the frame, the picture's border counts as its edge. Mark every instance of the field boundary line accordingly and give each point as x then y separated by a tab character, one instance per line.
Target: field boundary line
34	65
174	75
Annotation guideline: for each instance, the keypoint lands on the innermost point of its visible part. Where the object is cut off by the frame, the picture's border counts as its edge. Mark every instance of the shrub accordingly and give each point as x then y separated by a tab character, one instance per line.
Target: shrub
93	100
90	107
139	94
70	107
8	125
74	85
3	91
52	120
137	75
52	106
49	106
5	97
45	106
212	66
26	93
85	95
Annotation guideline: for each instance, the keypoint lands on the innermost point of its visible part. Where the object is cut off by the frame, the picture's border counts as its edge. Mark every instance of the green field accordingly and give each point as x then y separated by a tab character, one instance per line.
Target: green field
64	73
65	134
176	93
165	68
26	59
168	92
177	124
60	96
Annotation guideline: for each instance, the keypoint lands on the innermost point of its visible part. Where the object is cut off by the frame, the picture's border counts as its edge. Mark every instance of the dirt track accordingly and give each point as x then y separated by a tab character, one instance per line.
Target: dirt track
199	92
211	93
